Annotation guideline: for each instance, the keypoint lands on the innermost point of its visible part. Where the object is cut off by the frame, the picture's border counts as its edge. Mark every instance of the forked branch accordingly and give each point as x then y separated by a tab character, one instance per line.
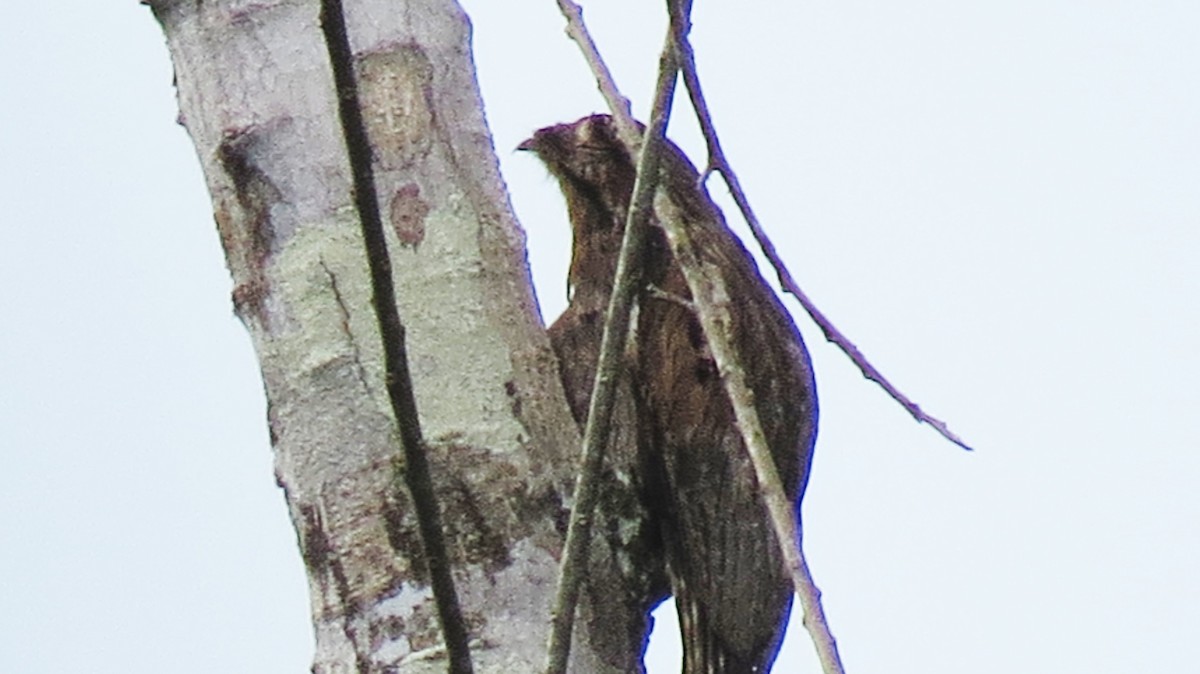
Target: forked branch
710	298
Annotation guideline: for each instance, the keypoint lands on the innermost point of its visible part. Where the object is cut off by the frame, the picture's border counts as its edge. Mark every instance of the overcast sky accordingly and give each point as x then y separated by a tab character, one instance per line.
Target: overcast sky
998	201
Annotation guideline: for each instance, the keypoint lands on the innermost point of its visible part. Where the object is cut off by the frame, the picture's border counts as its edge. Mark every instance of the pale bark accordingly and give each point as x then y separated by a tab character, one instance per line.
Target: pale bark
256	95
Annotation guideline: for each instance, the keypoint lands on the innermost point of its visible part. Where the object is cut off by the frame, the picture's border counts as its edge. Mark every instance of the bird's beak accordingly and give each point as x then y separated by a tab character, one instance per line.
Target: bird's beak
526	145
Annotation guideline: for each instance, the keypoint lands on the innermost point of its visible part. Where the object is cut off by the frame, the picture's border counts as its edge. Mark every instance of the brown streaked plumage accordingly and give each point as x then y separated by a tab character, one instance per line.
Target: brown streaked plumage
689	473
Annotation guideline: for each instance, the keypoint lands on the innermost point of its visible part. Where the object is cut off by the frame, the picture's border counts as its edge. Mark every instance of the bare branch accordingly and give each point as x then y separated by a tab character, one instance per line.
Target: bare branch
616	329
391	330
618	104
711	299
712	313
718	162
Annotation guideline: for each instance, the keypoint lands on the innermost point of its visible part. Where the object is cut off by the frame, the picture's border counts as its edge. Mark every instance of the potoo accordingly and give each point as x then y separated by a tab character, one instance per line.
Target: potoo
686	471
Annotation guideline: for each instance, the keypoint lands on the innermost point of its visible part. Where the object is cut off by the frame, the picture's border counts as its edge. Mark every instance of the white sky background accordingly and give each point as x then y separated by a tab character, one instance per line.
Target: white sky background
998	201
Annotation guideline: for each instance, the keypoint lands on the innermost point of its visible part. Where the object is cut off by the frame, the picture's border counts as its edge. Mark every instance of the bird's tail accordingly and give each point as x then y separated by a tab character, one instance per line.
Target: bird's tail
705	651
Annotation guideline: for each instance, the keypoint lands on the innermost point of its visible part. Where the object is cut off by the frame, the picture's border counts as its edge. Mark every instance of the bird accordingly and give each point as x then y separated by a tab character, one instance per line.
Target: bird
707	539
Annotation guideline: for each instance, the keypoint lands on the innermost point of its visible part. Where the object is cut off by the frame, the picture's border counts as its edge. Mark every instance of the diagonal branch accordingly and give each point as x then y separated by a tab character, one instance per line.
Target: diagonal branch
618	104
709	294
608	369
719	163
711	297
391	330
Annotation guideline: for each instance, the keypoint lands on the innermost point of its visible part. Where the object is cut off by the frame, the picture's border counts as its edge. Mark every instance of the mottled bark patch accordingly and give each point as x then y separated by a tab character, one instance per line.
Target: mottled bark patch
401	527
479	499
408	212
324	563
247	233
396	91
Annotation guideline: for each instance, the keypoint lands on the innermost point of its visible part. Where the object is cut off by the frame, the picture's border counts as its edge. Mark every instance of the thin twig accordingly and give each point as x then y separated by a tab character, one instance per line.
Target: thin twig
708	310
712	308
391	330
718	162
618	104
711	298
609	366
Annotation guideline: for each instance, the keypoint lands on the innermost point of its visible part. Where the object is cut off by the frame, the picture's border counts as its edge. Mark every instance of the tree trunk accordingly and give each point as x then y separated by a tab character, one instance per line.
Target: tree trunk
257	97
